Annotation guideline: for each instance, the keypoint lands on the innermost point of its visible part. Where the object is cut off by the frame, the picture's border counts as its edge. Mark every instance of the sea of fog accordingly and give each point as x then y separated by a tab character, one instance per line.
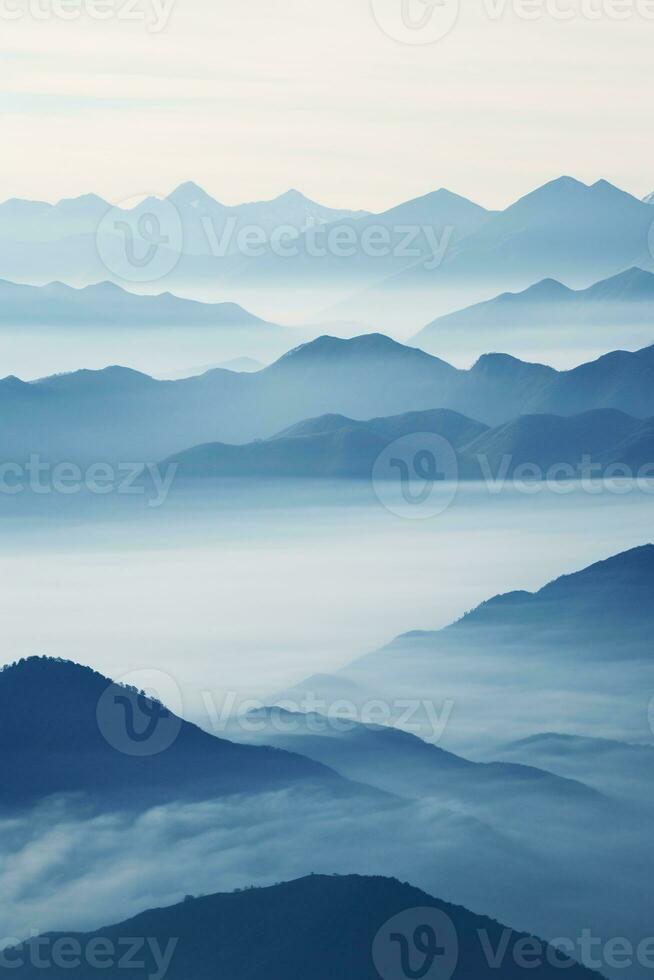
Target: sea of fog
248	588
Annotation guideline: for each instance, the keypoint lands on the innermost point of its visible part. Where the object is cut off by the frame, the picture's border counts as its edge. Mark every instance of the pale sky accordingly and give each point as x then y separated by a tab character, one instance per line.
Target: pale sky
251	97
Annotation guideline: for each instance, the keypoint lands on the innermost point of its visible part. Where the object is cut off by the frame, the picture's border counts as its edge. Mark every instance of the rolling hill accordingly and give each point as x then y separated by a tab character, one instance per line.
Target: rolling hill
65	729
320	926
334	446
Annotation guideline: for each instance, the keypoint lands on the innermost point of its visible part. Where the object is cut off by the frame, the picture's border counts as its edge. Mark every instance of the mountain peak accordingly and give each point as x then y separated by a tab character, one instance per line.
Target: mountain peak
497	365
297	922
593	599
189	194
545	289
634	283
81	204
294	195
336	346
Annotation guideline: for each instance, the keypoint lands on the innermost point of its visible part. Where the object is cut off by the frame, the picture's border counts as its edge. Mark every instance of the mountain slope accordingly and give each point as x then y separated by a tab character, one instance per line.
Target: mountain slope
565	230
370	248
334	446
38	221
67	729
404	765
621	769
328	446
616	304
575	655
121	414
322	927
106	304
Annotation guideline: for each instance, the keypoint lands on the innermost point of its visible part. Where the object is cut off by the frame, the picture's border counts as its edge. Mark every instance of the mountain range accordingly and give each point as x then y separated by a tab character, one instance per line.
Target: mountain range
549	313
65	729
118	413
621	769
105	304
333	446
536	658
565	230
42	242
39	221
402	764
437	253
319	926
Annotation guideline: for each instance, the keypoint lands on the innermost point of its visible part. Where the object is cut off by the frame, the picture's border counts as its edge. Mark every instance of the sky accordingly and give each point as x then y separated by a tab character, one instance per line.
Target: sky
249	99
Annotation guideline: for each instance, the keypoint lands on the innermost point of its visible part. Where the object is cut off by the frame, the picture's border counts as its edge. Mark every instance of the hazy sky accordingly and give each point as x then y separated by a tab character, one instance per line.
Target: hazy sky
250	98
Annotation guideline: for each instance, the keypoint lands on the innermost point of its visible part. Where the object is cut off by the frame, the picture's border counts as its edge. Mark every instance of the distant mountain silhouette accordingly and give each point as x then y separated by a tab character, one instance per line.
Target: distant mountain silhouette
67	729
621	769
565	230
334	446
37	221
521	661
600	604
320	927
329	446
108	305
441	211
603	437
547	307
41	242
402	764
603	611
86	414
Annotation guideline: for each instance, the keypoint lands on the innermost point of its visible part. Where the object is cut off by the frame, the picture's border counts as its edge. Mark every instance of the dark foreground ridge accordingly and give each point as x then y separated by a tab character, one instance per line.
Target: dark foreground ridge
318	927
